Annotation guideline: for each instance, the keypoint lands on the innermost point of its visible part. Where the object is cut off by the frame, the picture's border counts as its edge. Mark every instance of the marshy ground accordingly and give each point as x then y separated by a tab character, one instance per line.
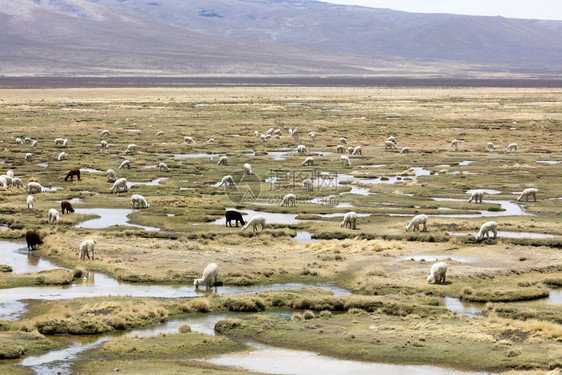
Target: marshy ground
390	315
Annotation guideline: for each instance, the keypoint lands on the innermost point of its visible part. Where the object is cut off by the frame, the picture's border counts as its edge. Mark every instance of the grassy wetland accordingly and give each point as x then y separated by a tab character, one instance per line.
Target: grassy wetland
362	294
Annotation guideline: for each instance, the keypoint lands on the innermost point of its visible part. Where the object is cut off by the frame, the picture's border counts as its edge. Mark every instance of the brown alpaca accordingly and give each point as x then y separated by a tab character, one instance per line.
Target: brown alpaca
72	173
66	206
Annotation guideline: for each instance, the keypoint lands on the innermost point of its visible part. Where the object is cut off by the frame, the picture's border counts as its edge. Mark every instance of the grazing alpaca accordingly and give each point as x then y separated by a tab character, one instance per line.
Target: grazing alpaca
236	216
357	150
104	132
349	220
254	222
132	148
490	146
139	201
111	176
53	216
487	227
62	156
511	147
159	133
119	185
223	161
416	221
210	274
476	196
437	273
391	139
87	249
527	193
301	149
343	141
30	202
34	187
455	143
307	183
289	200
163	167
28	157
405	150
312	135
388	145
125	164
308	161
227	181
72	173
345	160
33	239
248	169
66	206
188	139
340	149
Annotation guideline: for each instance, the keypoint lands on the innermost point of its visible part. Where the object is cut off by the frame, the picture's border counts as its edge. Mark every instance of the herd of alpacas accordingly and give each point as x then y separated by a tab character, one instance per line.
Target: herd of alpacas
86	249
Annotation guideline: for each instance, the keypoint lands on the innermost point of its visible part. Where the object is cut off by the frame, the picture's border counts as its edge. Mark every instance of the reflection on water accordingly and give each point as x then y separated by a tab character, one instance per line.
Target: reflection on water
21	260
303	237
471	309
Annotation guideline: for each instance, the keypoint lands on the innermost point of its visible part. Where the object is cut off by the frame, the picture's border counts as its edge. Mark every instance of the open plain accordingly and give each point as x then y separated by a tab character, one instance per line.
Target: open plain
304	282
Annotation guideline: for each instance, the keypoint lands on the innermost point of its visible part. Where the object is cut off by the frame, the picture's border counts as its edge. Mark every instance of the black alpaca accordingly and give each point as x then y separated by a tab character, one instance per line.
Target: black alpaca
32	238
234	215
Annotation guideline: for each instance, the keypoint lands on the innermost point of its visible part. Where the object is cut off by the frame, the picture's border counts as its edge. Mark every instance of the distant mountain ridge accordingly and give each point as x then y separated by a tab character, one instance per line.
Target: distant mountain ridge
266	37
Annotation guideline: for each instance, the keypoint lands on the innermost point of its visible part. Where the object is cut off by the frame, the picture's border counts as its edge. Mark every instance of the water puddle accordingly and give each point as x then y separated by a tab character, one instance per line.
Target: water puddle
149	166
151	183
109	217
341	214
472	309
52	188
44	165
466	162
510	209
278	155
133	130
90	170
548	161
269	360
191	156
16	256
303	237
373	166
359	191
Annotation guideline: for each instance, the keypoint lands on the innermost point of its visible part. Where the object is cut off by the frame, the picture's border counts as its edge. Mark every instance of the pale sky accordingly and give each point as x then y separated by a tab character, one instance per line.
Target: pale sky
536	9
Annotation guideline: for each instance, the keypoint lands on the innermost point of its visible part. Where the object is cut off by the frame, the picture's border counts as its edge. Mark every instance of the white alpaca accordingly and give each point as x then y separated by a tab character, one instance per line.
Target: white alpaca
264	138
357	151
476	196
312	135
269	131
489	226
104	132
10	173
490	146
125	164
104	144
17	183
211	140
278	132
248	169
227	181
139	201
30	202
301	149
9	181
59	141
527	193
159	133
34	187
111	176
65	142
256	133
210	274
53	216
289	200
308	161
341	149
4	181
307	183
350	150
19	141
391	139
293	133
405	150
388	145
223	160
511	147
188	139
34	144
437	273
349	220
455	143
343	141
119	185
254	222
277	136
163	167
62	156
87	249
27	140
28	157
416	221
344	160
132	148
